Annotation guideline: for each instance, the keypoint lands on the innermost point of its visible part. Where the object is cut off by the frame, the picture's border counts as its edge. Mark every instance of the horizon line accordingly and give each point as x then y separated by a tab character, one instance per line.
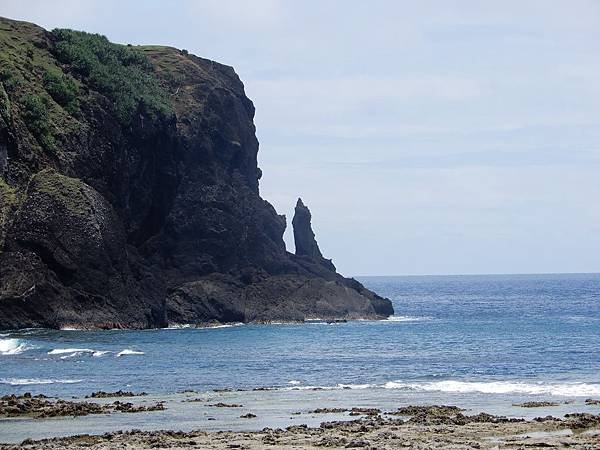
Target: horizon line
474	274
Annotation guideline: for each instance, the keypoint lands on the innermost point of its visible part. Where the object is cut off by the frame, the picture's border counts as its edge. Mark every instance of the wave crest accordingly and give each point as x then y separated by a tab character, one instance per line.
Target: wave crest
129	352
13	346
27	381
501	387
407	318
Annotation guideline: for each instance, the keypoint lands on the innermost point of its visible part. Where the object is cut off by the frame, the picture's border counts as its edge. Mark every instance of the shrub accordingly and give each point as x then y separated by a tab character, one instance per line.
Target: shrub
62	89
9	76
36	118
121	73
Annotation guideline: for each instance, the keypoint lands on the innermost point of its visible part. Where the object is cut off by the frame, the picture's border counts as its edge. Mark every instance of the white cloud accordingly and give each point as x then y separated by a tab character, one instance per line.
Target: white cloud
426	136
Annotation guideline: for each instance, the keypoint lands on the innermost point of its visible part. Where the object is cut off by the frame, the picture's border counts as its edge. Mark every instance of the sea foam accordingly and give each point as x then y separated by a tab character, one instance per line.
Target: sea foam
72	352
28	381
501	387
13	346
453	386
407	318
129	352
62	351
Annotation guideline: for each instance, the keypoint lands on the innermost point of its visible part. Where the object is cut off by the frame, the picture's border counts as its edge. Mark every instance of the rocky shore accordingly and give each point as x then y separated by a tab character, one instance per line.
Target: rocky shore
41	407
415	427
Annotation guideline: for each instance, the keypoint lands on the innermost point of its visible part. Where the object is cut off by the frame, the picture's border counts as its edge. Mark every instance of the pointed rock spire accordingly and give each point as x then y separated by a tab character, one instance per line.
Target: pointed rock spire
304	237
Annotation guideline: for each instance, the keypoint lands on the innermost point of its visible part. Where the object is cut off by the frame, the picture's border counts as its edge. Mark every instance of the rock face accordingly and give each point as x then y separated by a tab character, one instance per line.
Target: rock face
129	195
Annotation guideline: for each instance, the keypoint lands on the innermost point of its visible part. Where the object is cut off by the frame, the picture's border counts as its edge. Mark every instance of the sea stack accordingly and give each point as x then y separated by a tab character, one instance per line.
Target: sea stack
304	236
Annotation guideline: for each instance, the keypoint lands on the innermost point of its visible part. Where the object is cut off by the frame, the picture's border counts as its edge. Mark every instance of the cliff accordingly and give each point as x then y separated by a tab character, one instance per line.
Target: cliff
129	194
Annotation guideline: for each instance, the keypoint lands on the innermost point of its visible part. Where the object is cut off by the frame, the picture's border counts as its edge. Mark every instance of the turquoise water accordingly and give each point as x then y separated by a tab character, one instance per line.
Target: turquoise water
526	335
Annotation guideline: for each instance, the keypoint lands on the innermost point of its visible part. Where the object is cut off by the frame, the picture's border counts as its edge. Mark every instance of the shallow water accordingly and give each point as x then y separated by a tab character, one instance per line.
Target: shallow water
481	341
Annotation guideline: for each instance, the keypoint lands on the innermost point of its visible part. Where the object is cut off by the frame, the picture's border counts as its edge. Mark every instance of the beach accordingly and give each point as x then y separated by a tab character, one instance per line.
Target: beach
417	427
295	418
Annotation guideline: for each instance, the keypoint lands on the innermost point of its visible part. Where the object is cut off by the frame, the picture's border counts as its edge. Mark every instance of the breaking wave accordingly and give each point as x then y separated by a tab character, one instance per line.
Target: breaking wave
183	326
62	351
407	318
452	386
501	387
129	352
67	353
13	346
28	381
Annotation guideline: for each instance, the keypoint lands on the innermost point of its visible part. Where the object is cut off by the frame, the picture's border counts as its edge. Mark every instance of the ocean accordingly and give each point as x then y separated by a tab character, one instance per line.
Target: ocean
484	342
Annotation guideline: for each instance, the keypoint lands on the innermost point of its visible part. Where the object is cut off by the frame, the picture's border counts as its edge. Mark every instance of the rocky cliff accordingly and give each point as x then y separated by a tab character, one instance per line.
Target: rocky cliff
129	195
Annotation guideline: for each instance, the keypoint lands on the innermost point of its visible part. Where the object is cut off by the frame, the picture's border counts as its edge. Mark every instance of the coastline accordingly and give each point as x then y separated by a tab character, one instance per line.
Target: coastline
361	433
294	417
413	426
205	325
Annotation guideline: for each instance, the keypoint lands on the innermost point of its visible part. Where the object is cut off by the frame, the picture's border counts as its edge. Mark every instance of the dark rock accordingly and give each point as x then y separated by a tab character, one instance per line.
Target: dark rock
131	408
537	404
365	411
426	409
119	393
328	410
304	236
226	405
156	220
38	407
582	420
248	416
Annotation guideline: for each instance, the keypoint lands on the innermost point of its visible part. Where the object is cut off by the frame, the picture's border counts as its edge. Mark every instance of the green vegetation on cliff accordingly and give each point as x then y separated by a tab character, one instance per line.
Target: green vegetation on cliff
8	201
66	191
35	90
121	73
48	79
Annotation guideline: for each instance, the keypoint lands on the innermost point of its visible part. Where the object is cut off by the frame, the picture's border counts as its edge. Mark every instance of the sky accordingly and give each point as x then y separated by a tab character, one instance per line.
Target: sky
446	137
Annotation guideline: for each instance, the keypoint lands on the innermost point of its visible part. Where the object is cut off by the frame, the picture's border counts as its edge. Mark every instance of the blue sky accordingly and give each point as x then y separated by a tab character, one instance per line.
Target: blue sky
427	137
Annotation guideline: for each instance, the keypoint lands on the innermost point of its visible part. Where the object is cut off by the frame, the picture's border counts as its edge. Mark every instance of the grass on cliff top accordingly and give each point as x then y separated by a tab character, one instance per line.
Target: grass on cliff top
48	76
181	73
33	86
122	73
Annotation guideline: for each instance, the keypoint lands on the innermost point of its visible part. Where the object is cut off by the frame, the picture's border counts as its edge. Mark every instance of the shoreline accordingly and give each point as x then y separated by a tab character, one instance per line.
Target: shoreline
442	427
309	419
203	325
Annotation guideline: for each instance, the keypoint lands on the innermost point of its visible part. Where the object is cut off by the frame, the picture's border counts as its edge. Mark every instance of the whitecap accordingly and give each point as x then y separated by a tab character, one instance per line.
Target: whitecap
129	352
354	386
28	381
294	382
501	387
407	318
62	351
72	352
337	387
12	346
225	325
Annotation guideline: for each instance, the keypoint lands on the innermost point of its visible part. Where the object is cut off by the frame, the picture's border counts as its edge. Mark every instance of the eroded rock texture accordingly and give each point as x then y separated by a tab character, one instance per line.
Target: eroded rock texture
304	237
129	195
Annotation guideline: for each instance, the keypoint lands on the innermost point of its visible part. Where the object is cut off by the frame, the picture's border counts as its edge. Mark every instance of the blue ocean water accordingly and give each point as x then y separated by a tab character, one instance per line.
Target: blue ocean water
496	334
